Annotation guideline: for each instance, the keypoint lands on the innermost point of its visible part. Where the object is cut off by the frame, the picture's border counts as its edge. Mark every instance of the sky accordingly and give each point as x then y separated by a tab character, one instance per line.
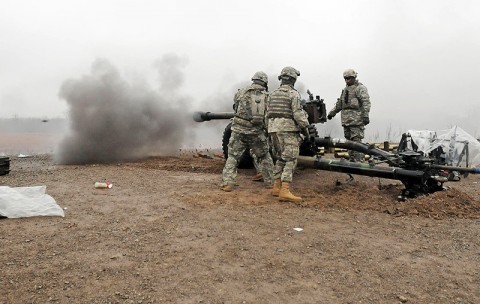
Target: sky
418	59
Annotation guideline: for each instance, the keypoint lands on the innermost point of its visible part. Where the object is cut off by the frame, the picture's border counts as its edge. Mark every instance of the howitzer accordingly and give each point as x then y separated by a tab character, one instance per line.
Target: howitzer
315	108
419	174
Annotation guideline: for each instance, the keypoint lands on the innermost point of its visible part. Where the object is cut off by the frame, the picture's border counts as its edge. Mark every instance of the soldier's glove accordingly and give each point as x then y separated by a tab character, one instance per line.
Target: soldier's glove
312	131
329	117
366	120
306	133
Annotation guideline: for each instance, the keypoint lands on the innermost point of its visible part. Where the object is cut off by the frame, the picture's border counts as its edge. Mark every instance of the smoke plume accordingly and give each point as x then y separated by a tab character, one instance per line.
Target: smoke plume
116	120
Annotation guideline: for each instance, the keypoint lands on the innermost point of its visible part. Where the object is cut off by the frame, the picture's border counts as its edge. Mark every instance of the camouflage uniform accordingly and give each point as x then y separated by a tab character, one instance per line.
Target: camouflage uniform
249	131
286	118
354	103
257	164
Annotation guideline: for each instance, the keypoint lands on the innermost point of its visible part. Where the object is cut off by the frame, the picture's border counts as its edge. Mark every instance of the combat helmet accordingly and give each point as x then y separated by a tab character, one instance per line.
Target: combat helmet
350	73
261	76
290	72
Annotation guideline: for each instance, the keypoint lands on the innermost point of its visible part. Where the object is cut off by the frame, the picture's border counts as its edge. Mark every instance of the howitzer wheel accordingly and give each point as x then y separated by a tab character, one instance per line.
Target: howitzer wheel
246	161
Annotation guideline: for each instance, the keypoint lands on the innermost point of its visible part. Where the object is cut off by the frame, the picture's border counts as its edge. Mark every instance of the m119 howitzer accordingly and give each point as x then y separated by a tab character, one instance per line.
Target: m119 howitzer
315	108
418	173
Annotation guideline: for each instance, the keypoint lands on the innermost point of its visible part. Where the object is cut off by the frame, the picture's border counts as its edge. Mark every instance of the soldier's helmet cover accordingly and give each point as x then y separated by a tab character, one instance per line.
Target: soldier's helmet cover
350	73
290	72
260	76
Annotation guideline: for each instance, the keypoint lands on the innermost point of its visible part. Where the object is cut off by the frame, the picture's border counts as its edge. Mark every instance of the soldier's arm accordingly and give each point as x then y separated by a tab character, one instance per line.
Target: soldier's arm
299	115
236	100
265	117
364	98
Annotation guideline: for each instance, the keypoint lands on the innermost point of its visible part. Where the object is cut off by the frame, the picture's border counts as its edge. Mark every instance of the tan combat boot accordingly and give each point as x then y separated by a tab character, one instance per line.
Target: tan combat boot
286	195
258	177
227	188
276	187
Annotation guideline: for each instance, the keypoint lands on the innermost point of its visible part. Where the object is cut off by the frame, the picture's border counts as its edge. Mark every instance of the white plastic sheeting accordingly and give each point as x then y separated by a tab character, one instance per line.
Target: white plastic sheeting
453	141
27	201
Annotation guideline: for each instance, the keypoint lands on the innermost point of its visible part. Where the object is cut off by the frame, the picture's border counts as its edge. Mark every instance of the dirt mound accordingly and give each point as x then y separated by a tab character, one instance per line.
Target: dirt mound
332	191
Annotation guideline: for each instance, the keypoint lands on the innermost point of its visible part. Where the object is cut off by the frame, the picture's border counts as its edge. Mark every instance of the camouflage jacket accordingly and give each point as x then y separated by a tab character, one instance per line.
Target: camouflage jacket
250	108
295	117
354	102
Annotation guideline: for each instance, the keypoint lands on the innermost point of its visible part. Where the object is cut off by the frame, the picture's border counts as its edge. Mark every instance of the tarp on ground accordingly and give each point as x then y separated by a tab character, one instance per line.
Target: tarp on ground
453	141
18	202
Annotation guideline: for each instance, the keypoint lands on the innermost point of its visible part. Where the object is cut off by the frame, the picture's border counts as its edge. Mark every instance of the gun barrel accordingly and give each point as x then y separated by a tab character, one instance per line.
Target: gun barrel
207	116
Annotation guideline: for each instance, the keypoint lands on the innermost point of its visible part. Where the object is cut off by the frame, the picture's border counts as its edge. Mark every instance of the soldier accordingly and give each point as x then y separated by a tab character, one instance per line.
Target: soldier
286	119
354	102
249	131
258	168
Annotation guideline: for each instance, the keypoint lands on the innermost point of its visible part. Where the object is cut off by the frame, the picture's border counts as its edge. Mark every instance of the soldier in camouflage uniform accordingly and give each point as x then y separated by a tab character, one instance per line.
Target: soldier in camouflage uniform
286	120
258	165
249	131
354	103
258	168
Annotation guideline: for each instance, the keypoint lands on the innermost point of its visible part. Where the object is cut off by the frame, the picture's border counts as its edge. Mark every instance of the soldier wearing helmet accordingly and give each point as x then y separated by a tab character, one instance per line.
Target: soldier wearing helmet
286	119
261	78
289	72
249	130
354	103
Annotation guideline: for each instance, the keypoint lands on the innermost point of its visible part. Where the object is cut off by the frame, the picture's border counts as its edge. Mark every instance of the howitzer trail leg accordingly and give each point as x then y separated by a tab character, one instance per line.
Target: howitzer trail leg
286	195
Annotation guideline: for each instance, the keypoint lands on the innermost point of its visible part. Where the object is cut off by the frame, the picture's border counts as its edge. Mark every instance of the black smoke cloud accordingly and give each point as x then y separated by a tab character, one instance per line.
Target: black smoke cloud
114	120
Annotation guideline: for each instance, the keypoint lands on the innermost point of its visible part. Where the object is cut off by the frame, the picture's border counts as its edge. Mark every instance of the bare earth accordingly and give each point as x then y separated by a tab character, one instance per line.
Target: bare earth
165	233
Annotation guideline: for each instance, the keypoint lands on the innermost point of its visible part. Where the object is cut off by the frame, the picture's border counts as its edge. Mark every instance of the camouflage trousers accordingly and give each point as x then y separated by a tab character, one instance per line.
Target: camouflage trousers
236	147
286	149
355	133
256	162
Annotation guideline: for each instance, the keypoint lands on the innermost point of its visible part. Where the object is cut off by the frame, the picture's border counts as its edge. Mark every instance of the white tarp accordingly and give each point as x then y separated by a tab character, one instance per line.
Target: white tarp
27	201
453	142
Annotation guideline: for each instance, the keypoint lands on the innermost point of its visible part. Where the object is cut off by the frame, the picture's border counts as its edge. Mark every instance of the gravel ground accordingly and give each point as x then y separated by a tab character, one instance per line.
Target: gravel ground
165	233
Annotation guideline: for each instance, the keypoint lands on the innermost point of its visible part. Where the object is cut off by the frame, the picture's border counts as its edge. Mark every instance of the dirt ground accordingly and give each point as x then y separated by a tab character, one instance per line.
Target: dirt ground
165	233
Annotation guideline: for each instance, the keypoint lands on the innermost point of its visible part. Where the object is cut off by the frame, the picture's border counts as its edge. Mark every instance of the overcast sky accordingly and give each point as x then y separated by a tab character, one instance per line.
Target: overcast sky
418	59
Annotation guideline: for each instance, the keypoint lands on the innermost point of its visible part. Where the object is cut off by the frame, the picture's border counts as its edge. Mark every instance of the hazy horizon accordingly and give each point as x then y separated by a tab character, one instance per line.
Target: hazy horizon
418	59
